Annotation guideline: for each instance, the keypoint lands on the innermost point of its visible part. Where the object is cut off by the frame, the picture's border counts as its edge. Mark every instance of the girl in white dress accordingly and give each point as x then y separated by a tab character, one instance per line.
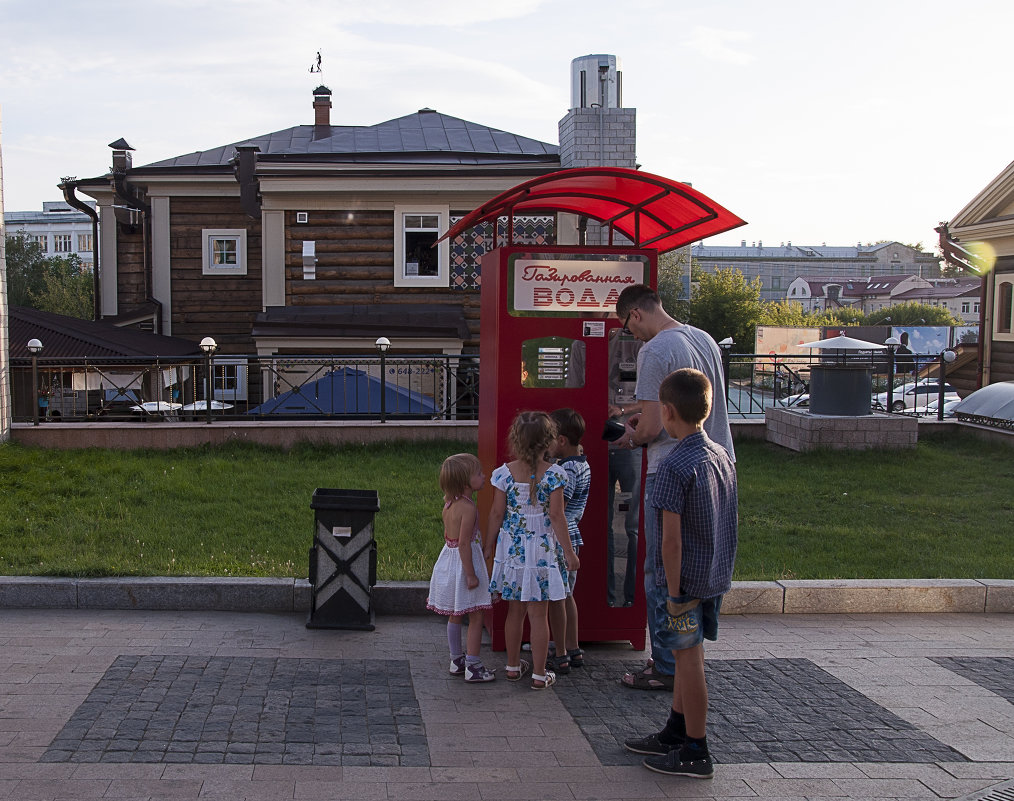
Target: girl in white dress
527	521
459	585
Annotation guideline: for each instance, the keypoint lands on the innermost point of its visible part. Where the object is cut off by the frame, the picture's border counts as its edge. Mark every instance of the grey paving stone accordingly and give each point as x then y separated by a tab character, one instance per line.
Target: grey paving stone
247	710
996	674
761	710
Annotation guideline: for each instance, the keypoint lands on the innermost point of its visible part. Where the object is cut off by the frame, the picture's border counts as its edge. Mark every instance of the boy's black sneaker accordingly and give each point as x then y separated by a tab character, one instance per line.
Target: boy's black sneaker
679	763
652	744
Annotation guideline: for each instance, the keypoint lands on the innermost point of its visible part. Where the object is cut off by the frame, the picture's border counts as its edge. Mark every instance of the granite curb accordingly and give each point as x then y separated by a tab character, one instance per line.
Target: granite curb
854	596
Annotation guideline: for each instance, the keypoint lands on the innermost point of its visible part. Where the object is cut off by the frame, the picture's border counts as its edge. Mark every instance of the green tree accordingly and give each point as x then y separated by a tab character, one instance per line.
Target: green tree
671	274
788	313
67	288
911	314
60	285
792	314
724	304
845	315
26	269
948	270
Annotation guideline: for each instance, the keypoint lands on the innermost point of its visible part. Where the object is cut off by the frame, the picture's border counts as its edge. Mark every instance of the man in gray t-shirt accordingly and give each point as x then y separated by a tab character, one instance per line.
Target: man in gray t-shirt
668	351
669	345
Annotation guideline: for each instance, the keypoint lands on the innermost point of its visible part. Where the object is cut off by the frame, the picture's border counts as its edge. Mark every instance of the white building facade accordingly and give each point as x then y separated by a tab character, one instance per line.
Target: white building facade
778	266
960	296
58	229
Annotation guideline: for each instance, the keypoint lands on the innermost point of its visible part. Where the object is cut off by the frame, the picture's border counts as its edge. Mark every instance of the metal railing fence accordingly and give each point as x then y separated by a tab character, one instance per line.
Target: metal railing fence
295	387
384	387
754	382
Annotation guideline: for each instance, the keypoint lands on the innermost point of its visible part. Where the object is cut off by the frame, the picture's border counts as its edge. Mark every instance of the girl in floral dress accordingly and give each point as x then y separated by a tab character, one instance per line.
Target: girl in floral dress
460	584
527	522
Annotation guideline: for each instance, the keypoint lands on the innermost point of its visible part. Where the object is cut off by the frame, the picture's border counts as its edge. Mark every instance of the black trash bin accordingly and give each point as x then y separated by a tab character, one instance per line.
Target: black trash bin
840	391
343	559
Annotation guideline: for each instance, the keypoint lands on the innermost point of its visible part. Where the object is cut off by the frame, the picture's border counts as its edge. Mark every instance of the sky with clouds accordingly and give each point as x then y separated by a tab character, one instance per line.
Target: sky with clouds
816	122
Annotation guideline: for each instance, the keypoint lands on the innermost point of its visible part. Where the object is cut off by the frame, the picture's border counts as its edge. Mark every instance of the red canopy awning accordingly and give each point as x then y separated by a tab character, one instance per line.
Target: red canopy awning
651	211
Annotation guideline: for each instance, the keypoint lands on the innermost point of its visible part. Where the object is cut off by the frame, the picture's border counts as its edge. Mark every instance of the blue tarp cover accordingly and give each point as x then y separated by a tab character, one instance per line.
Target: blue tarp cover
347	391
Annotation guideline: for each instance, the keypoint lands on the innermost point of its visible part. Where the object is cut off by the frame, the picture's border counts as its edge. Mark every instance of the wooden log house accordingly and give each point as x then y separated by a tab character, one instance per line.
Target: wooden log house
318	239
312	239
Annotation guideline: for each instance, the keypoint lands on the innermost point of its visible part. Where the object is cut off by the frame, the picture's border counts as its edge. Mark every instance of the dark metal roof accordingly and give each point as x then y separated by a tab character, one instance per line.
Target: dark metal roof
957	288
382	319
860	287
69	337
425	137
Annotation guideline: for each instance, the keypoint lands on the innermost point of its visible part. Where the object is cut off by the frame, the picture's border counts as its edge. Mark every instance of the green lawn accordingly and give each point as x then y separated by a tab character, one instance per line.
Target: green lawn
942	510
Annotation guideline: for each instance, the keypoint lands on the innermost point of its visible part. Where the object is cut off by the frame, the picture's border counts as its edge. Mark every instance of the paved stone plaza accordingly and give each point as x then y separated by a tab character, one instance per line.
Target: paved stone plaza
137	705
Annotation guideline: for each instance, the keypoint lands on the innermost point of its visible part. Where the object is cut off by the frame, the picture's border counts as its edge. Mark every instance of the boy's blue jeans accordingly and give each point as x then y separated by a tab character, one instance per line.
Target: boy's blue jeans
664	661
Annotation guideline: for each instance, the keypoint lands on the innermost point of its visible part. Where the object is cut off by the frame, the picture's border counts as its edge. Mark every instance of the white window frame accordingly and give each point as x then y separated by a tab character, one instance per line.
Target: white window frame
84	243
42	240
63	243
1008	322
208	237
227	394
442	277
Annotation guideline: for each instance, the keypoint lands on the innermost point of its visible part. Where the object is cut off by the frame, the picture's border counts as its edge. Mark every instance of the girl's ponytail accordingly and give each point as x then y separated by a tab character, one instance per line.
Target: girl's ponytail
529	437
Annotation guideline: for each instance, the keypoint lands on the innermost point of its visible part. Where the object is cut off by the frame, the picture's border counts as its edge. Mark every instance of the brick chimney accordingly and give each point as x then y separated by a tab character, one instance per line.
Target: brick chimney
322	106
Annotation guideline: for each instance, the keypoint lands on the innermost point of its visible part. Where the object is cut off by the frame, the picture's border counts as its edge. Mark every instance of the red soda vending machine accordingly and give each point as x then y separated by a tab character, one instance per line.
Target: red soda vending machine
547	324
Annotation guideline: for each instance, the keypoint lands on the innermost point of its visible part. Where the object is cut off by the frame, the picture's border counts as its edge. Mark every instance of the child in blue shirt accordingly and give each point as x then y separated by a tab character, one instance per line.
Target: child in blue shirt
566	449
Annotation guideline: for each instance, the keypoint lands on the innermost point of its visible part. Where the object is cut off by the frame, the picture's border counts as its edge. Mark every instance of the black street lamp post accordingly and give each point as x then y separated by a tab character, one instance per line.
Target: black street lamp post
726	345
35	346
383	345
209	346
892	345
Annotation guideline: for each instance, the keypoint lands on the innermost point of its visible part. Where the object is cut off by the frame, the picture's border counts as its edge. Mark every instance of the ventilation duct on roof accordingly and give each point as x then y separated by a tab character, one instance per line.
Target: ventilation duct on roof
596	81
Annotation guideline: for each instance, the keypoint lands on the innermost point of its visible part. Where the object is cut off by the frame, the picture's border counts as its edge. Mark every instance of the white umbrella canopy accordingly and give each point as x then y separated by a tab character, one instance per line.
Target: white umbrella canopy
202	406
993	400
843	343
156	406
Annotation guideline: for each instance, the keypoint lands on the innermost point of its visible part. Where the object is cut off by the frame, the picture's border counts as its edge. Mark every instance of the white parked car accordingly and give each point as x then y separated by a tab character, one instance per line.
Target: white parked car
912	396
930	409
800	401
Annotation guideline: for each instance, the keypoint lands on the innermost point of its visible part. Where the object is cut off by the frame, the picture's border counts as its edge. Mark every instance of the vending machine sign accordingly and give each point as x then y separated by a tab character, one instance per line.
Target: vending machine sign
560	287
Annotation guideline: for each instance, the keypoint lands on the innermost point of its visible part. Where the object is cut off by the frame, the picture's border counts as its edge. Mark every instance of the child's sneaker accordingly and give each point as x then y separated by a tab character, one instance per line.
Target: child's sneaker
479	672
458	666
682	762
652	744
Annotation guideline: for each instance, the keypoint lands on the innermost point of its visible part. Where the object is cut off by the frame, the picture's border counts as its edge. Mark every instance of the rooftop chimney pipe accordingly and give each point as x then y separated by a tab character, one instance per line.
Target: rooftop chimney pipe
322	106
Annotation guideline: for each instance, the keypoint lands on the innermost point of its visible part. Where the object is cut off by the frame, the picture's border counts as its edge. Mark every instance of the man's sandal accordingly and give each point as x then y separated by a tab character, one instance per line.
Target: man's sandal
517	672
559	664
543	682
647	679
576	656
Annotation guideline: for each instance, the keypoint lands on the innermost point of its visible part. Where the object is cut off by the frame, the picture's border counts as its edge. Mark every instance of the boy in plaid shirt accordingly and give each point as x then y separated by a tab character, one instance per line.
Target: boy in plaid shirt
696	534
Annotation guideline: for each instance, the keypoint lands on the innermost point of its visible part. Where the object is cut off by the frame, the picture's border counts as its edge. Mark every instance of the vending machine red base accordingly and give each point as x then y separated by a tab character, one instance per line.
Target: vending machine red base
548	332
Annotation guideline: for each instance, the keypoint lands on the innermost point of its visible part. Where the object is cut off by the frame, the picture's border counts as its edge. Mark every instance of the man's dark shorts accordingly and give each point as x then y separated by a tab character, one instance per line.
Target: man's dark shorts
689	628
